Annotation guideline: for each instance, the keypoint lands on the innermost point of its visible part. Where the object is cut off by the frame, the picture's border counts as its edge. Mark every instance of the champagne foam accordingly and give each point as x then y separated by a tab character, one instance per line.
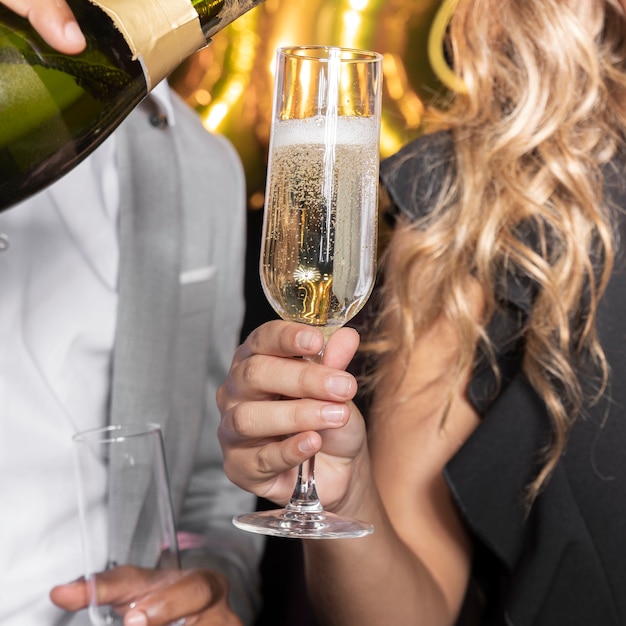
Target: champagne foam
312	130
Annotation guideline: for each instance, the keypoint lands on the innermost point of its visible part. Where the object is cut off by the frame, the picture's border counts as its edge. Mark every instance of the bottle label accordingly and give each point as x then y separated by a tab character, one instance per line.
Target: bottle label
160	33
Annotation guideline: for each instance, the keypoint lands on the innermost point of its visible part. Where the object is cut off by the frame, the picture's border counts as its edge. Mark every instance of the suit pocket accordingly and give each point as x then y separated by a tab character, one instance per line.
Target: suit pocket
196	288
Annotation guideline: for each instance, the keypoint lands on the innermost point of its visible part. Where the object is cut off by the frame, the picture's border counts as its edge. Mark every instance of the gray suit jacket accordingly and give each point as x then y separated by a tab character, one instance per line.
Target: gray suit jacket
182	240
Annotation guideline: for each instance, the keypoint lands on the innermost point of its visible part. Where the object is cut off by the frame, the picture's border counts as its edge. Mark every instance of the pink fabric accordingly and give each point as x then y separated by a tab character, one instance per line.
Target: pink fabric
189	541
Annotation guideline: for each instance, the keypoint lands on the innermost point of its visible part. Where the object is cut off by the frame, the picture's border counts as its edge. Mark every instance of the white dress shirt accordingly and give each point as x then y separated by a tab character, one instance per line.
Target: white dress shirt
58	299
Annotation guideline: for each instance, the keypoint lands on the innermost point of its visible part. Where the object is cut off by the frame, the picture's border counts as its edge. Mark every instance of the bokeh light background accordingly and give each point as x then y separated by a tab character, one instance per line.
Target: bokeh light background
229	83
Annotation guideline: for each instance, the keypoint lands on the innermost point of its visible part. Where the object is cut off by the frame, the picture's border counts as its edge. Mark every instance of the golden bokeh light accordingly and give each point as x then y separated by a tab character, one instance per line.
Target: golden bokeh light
229	83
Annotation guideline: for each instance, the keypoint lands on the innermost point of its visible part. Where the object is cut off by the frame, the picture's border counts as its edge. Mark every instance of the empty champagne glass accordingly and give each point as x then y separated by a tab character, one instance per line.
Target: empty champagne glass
125	507
318	257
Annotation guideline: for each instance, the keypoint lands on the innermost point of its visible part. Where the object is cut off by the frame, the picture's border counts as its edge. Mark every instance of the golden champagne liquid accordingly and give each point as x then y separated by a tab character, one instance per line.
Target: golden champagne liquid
319	243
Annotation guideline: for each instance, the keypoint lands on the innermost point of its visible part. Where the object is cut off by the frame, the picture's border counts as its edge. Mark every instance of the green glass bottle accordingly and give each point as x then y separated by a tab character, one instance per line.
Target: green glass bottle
55	109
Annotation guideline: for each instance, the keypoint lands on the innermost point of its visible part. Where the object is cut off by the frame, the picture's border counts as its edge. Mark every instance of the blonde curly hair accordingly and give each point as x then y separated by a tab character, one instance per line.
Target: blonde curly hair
544	108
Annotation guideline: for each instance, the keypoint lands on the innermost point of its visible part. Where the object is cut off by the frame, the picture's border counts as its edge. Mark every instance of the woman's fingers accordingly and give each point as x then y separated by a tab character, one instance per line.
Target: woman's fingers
341	348
278	410
260	377
251	421
263	366
284	339
263	440
53	20
270	470
288	339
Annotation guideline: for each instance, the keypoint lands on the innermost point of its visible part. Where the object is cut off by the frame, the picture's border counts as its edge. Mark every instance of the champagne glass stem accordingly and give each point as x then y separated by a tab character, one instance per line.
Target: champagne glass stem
304	497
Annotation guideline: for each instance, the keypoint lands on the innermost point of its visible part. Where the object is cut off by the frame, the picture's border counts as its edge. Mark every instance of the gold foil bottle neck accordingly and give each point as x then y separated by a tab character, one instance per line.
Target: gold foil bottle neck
217	14
163	33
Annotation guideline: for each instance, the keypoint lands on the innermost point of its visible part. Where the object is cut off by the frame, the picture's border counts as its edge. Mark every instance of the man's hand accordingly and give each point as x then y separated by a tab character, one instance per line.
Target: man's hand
53	20
155	597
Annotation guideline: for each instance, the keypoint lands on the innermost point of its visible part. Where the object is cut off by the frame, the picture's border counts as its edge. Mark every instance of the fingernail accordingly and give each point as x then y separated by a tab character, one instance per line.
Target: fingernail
340	385
73	33
305	446
135	618
305	339
333	413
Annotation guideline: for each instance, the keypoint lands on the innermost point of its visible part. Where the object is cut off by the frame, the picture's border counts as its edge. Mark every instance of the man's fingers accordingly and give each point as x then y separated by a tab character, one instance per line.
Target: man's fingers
73	596
155	597
54	21
200	596
116	586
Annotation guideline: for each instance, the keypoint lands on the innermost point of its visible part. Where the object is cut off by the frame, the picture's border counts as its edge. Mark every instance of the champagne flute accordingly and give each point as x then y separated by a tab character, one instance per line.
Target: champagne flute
318	256
125	508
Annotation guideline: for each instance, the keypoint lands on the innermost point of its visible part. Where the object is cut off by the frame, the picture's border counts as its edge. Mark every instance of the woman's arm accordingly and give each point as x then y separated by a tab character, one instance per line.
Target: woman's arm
415	568
277	411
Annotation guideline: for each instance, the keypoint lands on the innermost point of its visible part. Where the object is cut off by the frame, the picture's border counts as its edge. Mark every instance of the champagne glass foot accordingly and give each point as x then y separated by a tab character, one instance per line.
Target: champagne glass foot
302	524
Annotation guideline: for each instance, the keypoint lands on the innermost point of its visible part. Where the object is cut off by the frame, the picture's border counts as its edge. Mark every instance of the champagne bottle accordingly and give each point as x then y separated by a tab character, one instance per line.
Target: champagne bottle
55	109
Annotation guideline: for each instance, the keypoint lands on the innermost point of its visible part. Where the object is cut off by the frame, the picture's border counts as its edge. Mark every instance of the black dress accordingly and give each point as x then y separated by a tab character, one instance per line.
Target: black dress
564	563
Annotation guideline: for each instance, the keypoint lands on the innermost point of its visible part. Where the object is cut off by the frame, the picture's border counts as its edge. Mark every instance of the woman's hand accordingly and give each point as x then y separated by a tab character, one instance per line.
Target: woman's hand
277	411
148	597
53	20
